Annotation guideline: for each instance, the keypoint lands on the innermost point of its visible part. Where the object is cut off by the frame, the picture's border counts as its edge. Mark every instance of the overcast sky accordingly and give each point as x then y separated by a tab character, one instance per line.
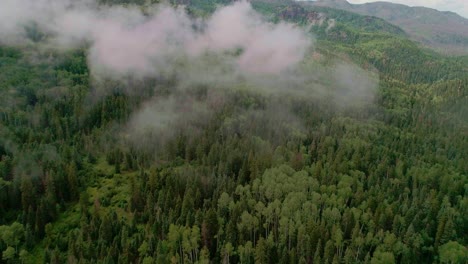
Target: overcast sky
458	6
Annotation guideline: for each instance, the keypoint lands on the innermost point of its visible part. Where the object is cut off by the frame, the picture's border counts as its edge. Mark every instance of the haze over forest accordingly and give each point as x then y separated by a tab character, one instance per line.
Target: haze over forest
223	131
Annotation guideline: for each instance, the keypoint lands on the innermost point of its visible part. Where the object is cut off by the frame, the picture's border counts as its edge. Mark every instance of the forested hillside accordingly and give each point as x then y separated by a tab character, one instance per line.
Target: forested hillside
357	155
446	32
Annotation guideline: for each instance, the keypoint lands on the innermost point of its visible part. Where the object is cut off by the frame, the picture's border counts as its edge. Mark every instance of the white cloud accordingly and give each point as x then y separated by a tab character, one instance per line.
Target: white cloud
458	6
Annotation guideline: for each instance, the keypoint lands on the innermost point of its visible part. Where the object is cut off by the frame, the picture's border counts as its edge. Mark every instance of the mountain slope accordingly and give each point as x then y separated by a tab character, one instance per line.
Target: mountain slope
446	32
261	178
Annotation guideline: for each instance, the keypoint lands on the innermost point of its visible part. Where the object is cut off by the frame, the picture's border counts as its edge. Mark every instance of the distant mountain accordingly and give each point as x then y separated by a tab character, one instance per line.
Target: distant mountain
446	32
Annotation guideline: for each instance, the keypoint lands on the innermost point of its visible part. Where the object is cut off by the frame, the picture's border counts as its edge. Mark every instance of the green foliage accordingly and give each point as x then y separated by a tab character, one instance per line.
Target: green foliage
8	254
381	184
453	252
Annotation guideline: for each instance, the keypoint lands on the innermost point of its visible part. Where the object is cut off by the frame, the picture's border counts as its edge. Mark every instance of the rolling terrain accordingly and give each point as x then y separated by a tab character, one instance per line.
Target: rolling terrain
446	32
230	132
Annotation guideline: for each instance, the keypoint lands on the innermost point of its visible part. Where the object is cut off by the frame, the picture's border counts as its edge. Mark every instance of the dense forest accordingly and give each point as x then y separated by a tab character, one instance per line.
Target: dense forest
239	175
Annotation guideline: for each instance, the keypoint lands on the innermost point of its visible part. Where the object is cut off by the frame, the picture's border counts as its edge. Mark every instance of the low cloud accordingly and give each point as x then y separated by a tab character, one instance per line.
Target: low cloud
234	48
125	40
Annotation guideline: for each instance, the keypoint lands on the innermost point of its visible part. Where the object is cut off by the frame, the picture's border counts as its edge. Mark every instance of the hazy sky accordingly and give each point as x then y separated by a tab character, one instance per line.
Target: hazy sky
458	6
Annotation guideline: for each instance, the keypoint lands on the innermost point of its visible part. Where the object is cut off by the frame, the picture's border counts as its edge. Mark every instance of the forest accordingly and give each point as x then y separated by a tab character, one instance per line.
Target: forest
357	155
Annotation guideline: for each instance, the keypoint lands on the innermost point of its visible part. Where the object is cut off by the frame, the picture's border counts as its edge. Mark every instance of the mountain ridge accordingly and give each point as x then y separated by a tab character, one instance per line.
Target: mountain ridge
444	31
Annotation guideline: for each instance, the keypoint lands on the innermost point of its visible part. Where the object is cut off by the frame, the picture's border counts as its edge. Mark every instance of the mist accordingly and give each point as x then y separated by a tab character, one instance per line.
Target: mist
233	49
127	40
